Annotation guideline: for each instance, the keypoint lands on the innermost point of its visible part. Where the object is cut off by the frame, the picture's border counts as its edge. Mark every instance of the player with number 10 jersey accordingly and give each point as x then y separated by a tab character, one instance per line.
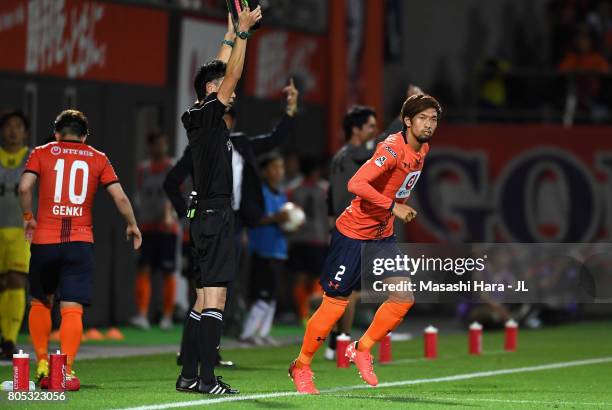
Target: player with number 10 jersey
70	173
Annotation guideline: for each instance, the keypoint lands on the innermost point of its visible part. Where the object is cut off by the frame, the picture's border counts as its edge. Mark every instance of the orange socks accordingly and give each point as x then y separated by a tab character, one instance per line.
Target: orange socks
143	291
300	295
39	322
388	316
319	326
71	331
169	294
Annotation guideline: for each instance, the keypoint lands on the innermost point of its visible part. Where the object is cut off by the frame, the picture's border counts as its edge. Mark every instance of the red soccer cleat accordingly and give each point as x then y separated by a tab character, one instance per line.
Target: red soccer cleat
44	382
72	382
302	378
363	361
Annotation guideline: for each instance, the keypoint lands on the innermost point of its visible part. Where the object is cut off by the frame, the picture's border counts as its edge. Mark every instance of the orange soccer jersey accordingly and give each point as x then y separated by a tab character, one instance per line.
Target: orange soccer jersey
389	176
69	173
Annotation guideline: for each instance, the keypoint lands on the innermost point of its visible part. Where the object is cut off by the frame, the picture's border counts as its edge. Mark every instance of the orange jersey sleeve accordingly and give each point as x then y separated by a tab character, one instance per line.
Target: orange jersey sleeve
383	160
33	162
108	175
69	174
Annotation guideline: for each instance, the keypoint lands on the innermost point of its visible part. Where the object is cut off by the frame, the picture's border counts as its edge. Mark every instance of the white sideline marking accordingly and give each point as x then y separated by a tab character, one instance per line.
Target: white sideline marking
464	376
446	398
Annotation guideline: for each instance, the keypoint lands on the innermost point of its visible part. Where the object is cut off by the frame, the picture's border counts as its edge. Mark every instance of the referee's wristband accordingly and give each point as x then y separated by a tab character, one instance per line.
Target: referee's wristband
27	216
392	206
228	43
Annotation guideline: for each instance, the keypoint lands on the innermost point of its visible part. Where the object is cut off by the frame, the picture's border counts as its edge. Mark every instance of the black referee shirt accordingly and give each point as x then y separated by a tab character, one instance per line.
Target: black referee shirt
211	149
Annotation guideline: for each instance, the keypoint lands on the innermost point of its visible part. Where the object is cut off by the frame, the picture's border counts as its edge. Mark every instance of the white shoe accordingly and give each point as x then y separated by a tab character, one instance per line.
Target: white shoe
166	323
330	354
270	341
252	341
141	322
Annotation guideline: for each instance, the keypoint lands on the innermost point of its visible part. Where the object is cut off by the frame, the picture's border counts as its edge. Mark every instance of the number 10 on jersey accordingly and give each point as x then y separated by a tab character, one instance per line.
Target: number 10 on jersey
59	181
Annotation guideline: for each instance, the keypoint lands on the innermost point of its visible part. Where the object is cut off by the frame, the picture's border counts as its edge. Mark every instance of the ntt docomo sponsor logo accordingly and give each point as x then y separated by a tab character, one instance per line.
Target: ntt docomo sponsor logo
403	263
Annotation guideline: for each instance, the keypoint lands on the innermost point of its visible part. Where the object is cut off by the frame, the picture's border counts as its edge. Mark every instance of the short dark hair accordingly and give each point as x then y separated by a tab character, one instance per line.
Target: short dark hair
211	71
268	158
15	113
418	103
357	116
155	135
71	122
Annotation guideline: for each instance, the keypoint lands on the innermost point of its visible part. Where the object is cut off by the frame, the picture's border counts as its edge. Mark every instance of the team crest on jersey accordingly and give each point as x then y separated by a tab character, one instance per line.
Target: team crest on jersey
380	161
391	152
56	150
409	183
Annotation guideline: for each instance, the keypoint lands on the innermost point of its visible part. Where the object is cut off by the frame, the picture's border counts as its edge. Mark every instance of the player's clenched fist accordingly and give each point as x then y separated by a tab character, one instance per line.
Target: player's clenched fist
248	18
404	212
28	227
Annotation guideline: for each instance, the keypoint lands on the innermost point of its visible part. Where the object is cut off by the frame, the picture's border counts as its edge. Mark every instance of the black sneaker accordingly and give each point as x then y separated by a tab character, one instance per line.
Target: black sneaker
219	387
187	385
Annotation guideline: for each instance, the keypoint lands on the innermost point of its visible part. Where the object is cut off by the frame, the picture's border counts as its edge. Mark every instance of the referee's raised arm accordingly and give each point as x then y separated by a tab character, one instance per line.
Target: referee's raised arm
246	20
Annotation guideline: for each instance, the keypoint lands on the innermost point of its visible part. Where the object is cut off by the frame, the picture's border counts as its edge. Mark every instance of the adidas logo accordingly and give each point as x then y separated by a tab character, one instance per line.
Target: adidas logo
218	390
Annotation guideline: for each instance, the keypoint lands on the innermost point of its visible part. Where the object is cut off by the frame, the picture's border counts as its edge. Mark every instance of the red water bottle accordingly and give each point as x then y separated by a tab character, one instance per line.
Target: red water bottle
57	371
475	338
342	342
511	336
21	371
431	342
384	350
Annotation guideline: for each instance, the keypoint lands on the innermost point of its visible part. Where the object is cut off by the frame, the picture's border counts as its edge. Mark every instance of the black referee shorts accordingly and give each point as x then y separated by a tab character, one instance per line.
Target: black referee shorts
212	240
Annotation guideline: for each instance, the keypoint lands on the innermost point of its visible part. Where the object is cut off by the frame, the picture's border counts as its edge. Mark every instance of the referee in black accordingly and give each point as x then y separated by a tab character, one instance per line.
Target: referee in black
248	202
212	226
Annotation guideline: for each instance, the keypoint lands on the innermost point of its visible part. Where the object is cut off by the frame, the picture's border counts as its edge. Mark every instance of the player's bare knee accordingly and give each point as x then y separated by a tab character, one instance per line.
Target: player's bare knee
69	304
338	297
403	298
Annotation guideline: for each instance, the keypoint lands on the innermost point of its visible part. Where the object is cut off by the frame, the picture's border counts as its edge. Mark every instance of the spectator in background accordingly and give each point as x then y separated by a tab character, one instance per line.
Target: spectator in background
583	56
492	85
268	248
160	232
587	65
600	22
309	244
293	176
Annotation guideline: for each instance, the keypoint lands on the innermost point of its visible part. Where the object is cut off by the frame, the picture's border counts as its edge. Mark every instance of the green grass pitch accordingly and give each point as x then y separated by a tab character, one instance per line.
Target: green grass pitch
548	373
